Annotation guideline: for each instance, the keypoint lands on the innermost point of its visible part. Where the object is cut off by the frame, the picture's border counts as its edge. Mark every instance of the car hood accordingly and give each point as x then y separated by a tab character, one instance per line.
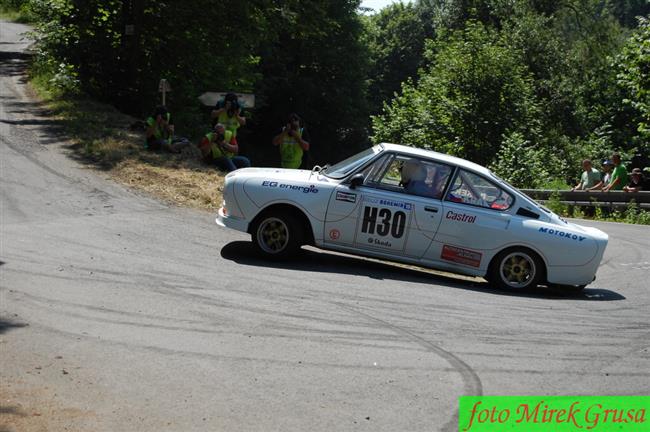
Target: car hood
279	175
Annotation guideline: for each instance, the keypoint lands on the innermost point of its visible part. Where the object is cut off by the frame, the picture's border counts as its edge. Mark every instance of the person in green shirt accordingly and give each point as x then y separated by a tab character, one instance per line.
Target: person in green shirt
293	142
619	175
590	178
160	133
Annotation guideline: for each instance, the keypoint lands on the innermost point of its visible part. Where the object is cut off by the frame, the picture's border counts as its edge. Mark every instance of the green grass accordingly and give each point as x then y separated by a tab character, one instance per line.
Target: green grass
14	15
631	214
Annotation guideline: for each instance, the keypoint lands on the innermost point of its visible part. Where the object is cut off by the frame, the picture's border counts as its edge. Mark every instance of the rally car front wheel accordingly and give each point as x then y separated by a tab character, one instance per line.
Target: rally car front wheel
516	268
277	234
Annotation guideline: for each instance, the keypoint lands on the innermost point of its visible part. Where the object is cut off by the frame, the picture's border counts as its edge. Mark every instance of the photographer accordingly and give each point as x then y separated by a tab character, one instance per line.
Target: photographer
228	113
220	148
292	142
160	133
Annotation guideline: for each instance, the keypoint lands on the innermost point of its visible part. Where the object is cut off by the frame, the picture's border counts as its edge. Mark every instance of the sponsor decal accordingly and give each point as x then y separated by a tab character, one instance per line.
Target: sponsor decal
558	233
461	217
335	234
347	197
383	223
379	242
304	189
371	200
398	204
461	256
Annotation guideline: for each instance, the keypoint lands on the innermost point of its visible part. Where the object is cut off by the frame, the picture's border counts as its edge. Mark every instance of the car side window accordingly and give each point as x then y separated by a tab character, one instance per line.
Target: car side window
412	176
472	189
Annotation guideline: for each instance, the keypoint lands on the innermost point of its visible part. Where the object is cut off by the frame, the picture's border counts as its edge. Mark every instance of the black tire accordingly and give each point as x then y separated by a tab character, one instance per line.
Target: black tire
277	234
516	268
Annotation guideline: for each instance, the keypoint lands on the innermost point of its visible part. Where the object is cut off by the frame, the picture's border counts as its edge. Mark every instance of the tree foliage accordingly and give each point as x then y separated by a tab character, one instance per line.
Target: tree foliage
633	66
528	87
475	91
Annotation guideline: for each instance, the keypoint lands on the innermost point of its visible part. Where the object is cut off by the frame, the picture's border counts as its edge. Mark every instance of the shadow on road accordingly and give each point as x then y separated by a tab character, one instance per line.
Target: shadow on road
13	63
244	253
6	325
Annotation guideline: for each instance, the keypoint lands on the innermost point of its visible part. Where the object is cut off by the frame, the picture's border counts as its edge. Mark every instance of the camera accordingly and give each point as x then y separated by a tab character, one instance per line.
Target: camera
232	108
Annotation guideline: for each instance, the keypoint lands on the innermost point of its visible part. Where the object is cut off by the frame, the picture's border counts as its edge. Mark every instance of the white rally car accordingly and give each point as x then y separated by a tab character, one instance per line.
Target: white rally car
414	206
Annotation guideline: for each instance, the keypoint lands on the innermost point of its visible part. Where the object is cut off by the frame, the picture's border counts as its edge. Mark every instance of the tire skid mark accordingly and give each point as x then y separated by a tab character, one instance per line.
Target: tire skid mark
199	326
233	358
471	380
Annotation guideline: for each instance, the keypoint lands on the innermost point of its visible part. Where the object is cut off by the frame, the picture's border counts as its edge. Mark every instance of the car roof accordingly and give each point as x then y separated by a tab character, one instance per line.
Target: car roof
439	156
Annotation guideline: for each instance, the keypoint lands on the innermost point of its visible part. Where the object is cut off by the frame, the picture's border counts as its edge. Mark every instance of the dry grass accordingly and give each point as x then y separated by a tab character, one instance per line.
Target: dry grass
185	186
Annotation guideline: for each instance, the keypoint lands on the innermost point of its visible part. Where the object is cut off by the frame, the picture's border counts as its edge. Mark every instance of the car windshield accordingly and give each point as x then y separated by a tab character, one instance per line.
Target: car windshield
348	165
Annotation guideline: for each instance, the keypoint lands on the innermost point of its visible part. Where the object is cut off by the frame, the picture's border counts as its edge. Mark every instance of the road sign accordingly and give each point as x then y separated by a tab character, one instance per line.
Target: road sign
247	100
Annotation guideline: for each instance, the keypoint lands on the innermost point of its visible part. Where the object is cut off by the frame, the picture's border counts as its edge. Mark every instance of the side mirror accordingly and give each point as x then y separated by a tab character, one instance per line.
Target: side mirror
356	181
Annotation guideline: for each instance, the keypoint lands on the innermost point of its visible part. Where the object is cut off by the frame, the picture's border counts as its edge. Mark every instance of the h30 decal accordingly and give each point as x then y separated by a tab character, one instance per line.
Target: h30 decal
383	222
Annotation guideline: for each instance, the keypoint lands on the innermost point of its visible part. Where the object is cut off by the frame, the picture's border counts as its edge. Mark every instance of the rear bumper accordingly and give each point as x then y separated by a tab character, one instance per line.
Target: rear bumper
226	221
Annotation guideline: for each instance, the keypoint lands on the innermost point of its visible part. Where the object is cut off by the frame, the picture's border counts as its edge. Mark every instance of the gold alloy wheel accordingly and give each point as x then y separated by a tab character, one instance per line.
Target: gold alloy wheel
273	235
517	269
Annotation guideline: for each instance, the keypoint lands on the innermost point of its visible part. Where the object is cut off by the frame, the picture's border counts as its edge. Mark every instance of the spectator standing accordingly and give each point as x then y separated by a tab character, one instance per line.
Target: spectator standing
607	173
220	148
228	113
292	142
636	183
619	175
590	178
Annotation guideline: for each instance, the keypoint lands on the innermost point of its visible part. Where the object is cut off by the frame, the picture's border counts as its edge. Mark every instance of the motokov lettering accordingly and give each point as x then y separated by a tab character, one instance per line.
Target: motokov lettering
558	233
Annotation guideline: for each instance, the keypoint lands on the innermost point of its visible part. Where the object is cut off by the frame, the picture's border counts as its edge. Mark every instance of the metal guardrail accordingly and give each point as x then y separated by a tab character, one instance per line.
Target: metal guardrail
592	198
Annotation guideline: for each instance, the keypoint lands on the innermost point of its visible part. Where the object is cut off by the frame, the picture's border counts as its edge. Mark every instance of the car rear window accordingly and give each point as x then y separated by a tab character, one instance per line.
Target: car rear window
473	189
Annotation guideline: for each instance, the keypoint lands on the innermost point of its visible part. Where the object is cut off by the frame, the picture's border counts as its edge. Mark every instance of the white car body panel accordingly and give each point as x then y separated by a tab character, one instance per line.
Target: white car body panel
431	232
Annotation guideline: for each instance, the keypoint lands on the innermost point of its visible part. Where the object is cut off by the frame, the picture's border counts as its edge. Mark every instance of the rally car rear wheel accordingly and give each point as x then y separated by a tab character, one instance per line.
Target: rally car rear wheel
516	268
277	234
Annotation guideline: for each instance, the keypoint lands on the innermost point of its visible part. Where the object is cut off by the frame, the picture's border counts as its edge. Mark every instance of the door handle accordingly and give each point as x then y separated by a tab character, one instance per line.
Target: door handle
431	209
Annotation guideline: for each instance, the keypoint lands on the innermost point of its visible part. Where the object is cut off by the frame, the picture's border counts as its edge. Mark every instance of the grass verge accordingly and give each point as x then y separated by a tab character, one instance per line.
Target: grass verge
106	139
21	16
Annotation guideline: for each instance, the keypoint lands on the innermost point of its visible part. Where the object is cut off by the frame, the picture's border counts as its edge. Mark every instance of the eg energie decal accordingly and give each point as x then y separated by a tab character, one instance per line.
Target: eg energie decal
305	189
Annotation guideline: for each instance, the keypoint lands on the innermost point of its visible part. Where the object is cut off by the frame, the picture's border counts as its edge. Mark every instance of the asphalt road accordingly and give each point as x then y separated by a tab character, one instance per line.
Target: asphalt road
119	312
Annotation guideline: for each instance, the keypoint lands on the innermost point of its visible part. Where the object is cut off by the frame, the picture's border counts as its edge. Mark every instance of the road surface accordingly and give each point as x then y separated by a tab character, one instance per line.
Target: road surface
119	312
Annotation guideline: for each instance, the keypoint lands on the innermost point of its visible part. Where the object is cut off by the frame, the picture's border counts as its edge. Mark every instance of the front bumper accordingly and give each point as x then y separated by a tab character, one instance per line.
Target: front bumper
223	220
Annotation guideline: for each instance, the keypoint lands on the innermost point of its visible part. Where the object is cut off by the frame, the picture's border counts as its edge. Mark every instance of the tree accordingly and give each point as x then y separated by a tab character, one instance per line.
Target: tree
475	90
315	65
395	40
633	66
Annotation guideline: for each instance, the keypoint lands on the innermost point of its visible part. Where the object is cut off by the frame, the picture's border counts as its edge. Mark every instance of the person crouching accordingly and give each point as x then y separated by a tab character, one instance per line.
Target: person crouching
220	148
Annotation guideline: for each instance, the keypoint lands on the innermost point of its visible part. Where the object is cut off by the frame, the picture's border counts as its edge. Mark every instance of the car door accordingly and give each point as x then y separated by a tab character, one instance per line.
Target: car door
382	216
474	222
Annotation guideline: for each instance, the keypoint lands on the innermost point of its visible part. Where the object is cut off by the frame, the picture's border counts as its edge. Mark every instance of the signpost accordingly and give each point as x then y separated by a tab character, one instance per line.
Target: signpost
164	87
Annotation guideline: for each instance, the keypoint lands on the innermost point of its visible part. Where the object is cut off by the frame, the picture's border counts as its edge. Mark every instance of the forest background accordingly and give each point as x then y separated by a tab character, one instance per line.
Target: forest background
526	87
